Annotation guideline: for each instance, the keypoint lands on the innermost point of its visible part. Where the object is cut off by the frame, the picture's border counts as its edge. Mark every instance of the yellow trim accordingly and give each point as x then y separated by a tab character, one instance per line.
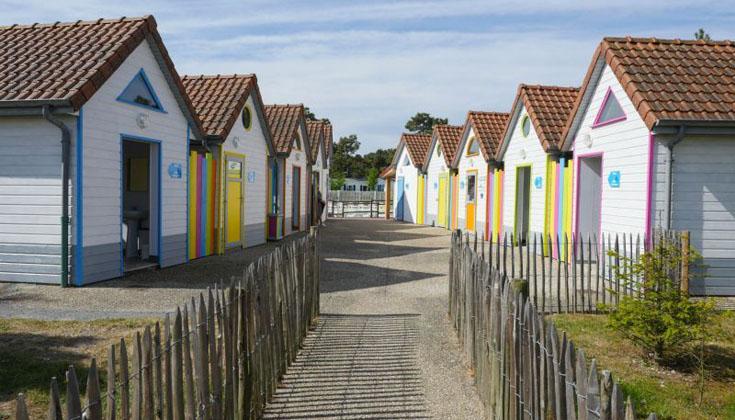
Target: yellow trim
250	111
421	200
223	183
467	204
472	140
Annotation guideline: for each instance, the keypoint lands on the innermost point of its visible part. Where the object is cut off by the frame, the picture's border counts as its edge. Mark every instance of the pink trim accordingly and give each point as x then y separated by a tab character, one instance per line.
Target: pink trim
649	188
488	201
557	195
578	160
597	122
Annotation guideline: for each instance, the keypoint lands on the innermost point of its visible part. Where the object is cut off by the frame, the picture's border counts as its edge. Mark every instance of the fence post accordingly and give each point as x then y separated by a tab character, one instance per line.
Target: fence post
685	262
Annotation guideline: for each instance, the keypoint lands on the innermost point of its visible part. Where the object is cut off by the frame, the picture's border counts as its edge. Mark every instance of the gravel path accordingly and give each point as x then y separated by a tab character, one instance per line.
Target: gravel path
149	293
384	347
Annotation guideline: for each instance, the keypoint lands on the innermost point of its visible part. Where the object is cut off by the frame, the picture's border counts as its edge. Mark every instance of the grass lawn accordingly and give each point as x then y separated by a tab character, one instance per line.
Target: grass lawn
32	352
671	393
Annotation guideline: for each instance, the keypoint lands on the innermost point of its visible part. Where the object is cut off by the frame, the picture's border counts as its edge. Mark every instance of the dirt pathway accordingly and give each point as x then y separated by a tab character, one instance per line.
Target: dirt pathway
384	347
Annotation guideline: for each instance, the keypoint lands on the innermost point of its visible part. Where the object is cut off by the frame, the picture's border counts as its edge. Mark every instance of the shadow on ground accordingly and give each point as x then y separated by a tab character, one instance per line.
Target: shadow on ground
354	367
343	276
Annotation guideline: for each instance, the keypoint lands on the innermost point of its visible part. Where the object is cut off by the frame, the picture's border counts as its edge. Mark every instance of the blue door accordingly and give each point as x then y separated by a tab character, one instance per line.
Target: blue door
399	198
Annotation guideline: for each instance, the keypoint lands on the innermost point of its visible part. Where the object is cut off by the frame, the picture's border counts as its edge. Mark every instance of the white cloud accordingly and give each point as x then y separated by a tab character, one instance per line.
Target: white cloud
372	90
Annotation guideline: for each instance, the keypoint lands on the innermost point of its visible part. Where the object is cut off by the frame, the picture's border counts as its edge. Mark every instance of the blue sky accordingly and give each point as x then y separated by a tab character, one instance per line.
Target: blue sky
369	65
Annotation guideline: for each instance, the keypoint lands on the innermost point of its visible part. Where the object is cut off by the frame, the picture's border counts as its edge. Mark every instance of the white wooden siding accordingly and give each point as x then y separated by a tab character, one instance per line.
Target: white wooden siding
536	157
30	198
105	120
297	158
625	147
704	204
410	187
436	167
472	163
252	143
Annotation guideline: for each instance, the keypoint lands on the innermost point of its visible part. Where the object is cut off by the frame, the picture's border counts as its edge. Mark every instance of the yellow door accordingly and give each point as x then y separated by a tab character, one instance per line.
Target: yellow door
420	217
234	201
442	213
471	201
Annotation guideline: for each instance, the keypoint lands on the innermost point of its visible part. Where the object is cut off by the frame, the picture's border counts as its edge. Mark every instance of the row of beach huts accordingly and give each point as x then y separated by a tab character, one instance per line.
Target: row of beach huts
646	144
110	161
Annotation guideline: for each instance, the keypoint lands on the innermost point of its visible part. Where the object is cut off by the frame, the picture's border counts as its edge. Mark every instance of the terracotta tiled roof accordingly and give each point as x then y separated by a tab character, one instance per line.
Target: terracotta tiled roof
66	63
315	131
448	137
328	139
418	147
218	100
284	122
671	79
549	108
488	129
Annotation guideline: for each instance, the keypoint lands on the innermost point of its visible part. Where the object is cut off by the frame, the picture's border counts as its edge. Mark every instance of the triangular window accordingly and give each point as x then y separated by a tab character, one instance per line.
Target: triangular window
610	111
297	143
473	148
140	92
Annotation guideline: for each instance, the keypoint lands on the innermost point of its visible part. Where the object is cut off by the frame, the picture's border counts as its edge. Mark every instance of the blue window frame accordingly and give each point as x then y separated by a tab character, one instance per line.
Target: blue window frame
139	92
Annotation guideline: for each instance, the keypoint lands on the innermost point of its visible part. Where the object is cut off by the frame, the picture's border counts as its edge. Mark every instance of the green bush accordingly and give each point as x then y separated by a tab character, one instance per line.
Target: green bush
660	317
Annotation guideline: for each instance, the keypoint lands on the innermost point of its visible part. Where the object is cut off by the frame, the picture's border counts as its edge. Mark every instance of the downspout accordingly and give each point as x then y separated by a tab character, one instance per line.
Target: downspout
65	159
670	173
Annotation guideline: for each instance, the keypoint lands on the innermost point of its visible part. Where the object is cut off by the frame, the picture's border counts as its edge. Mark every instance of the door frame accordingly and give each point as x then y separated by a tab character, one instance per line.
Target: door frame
241	157
518	168
466	202
443	198
577	161
159	193
400	197
421	205
295	221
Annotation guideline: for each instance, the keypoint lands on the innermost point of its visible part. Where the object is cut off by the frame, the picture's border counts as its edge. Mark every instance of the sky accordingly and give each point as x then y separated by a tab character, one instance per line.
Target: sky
370	65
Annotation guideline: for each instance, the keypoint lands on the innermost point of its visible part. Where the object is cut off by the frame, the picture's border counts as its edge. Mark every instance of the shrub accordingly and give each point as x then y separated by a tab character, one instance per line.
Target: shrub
659	317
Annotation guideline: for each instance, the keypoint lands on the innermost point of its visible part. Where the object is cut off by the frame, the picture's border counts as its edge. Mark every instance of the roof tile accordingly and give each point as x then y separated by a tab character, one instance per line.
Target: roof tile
448	137
284	121
218	100
488	129
418	147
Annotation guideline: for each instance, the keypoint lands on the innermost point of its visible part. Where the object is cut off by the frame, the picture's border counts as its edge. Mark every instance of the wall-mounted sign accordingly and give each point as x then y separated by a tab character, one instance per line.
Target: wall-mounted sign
288	179
461	185
142	120
614	179
538	182
174	170
436	186
251	177
236	142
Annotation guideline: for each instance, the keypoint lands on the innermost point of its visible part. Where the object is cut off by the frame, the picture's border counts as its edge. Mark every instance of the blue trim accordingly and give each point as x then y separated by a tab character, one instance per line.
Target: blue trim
188	177
148	84
79	204
140	139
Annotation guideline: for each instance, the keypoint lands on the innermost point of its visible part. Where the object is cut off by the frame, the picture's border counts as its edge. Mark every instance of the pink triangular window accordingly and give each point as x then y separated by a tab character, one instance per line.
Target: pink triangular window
610	111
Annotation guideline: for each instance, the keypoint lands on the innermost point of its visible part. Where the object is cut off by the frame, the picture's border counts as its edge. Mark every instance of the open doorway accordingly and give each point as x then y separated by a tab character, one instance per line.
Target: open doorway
589	195
523	202
141	182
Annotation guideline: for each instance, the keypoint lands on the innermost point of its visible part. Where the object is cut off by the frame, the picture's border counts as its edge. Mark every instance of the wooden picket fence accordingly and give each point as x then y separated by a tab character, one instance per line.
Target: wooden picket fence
219	358
569	274
524	368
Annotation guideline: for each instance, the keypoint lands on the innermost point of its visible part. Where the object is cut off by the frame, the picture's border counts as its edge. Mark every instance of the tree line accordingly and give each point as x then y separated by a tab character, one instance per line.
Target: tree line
348	163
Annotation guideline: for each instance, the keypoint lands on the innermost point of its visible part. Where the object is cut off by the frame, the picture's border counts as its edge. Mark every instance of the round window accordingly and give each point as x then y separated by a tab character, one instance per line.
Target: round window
439	150
247	118
526	126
